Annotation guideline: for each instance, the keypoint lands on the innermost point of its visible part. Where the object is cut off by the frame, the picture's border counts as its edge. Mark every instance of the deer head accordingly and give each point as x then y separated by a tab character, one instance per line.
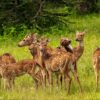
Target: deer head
28	39
80	36
43	48
65	42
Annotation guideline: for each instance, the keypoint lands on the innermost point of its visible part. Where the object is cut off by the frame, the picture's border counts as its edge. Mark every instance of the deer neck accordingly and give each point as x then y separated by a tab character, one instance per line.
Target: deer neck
68	48
81	44
47	55
78	51
34	52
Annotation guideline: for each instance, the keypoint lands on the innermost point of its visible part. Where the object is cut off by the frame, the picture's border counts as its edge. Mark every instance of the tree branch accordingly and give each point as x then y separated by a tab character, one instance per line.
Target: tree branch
40	9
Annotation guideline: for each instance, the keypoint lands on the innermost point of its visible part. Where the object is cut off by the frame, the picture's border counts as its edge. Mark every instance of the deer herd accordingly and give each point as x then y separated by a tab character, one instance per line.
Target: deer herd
46	62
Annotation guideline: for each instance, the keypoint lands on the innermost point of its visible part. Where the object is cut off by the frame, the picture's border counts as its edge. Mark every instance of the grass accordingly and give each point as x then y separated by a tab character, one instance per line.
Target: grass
24	87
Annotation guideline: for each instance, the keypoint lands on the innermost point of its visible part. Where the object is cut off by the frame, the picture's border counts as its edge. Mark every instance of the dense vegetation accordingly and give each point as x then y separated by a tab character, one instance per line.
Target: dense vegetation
19	16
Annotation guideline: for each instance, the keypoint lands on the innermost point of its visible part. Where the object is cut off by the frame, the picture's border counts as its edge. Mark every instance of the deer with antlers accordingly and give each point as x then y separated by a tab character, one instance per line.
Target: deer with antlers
96	64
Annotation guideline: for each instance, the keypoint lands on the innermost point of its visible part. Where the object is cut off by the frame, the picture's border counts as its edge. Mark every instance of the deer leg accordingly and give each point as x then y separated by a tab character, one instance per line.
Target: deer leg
50	78
44	77
74	71
0	82
12	83
36	84
97	78
67	77
61	80
77	79
7	83
57	80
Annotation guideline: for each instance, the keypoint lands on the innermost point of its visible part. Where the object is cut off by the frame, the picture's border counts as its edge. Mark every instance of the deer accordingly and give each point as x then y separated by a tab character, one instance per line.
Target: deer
6	58
79	49
56	63
96	64
27	41
10	71
57	50
34	49
77	53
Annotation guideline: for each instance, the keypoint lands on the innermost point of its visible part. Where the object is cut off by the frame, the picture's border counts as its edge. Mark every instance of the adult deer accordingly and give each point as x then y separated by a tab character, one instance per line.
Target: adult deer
56	62
32	40
96	64
35	51
55	51
79	49
77	53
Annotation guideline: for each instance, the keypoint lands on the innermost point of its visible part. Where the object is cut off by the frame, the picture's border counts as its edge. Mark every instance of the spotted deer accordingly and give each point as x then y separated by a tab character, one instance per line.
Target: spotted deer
30	40
56	63
77	53
35	52
79	49
10	71
96	64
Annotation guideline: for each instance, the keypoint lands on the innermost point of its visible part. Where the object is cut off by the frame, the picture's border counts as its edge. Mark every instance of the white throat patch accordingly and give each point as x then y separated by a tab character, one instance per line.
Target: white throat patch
70	47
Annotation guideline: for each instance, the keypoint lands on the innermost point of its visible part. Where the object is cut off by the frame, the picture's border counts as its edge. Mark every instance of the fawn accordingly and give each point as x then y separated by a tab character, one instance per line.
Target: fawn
96	64
10	71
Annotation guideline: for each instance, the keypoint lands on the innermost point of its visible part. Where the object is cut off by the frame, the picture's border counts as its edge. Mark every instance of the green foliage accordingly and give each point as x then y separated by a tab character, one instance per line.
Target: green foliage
41	15
33	14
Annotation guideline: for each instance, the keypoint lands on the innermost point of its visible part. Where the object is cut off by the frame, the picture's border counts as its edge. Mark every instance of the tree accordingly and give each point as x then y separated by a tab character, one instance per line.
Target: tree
39	14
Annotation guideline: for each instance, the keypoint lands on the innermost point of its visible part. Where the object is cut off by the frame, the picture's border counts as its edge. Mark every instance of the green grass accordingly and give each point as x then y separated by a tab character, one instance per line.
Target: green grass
24	87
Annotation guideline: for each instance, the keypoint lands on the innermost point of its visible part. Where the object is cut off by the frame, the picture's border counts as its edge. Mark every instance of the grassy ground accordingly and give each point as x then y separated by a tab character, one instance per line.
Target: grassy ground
24	88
